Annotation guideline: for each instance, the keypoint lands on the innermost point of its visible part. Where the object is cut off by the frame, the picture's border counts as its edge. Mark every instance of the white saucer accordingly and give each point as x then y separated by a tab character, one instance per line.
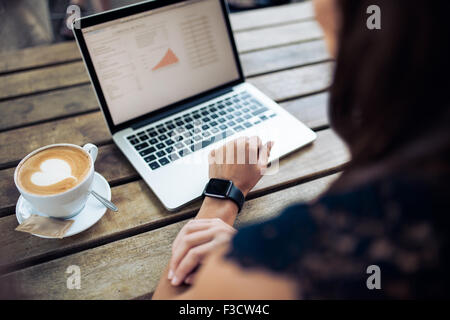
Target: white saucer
92	212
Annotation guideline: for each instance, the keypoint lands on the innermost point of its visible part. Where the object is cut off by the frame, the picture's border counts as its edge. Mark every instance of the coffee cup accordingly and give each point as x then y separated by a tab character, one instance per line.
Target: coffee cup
57	179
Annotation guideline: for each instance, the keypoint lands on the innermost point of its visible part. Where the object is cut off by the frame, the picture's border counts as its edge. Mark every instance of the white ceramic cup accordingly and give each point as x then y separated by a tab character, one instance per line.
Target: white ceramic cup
66	204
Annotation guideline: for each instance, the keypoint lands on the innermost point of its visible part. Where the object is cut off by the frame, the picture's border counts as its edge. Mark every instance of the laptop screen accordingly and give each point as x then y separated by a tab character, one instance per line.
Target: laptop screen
150	60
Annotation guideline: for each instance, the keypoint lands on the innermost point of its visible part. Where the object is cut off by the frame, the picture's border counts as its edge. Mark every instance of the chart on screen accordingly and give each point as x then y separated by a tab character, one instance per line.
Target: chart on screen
169	59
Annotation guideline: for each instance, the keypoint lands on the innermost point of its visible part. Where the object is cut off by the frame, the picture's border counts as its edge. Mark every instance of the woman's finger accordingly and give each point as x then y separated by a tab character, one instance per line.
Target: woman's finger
190	278
254	145
185	232
192	226
264	153
179	248
241	150
211	157
190	261
187	243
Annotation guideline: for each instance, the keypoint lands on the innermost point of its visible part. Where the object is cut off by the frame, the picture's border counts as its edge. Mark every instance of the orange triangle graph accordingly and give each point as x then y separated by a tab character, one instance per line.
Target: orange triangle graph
168	59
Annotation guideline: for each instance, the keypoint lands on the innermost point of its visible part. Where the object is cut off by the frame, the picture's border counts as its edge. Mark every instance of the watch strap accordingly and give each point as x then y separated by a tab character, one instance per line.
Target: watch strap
237	196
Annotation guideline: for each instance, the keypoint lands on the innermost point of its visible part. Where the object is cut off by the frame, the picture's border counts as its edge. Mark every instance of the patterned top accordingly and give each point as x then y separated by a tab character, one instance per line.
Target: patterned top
398	225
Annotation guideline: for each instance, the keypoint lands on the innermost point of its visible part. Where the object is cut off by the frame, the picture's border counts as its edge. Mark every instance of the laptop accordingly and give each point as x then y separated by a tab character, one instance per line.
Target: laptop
171	88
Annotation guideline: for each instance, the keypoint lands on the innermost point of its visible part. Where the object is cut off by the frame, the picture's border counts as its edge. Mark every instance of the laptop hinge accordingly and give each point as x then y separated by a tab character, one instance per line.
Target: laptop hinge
182	107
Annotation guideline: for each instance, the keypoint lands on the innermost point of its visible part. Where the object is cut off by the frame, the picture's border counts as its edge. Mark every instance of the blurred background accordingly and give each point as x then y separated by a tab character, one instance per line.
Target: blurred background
28	23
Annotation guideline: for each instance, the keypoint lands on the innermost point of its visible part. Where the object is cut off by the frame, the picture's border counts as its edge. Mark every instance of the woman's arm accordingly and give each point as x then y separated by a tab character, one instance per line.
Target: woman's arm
242	161
211	208
234	283
226	210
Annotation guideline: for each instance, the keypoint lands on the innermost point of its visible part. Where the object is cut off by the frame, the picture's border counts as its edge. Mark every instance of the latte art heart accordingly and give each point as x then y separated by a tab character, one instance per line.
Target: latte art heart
52	171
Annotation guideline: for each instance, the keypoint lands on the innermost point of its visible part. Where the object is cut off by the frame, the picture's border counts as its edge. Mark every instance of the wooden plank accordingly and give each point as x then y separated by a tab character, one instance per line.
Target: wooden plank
275	59
263	18
312	110
39	56
45	106
91	127
68	51
135	200
78	130
277	36
131	267
49	78
292	83
81	99
70	74
115	168
328	151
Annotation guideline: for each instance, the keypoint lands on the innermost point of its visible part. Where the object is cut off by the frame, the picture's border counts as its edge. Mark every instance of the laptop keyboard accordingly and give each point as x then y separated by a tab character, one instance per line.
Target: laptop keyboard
169	141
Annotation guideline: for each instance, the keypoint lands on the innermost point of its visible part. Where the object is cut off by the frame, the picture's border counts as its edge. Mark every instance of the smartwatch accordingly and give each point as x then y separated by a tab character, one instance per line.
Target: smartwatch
224	189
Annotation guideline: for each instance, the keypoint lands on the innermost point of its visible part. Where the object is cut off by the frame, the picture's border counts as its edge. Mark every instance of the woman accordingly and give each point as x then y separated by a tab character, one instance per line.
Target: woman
389	102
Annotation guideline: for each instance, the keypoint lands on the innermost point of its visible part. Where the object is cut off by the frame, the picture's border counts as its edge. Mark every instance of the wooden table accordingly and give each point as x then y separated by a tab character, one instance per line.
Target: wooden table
46	97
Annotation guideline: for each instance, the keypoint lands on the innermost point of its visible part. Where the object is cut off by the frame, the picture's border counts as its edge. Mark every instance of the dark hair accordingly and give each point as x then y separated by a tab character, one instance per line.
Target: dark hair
390	99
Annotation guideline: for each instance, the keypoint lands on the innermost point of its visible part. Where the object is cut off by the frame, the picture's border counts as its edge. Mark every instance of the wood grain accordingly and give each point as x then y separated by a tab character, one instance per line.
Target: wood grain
81	99
268	17
276	36
38	80
131	267
45	106
312	110
292	83
77	130
92	128
140	209
42	56
74	73
39	56
284	57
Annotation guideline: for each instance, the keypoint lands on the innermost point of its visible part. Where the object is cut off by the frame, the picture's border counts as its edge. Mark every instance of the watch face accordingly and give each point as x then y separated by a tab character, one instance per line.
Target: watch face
218	187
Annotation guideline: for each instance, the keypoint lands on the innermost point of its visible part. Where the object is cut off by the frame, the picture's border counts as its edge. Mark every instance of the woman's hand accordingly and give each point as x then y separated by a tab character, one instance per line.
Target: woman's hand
242	161
196	240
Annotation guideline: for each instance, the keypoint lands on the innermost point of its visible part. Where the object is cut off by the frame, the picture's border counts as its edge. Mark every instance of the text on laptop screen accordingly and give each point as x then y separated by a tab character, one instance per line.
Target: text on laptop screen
150	60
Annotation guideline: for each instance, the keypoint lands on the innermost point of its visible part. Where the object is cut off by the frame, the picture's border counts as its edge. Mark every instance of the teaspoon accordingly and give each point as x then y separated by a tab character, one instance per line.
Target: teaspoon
104	201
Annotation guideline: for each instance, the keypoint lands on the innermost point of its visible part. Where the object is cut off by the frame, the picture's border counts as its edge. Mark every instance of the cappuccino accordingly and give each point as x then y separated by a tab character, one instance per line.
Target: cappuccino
54	170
